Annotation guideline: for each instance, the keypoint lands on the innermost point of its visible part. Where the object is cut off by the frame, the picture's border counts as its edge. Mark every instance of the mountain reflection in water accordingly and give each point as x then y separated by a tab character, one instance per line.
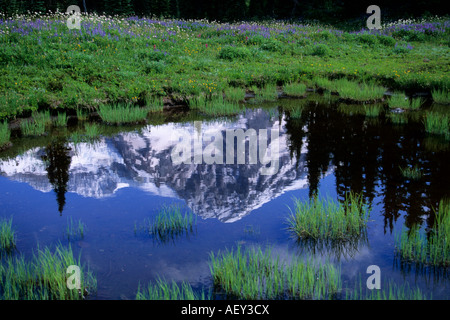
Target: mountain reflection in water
363	154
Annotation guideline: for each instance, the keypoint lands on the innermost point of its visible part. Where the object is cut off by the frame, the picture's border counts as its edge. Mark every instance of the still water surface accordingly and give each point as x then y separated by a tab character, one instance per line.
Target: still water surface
112	185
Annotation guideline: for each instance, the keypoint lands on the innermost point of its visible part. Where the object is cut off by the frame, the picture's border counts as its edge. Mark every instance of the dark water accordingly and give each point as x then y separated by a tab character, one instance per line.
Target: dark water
124	178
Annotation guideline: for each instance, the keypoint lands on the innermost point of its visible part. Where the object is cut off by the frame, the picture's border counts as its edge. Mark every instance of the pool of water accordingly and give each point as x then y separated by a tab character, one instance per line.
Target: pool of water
115	183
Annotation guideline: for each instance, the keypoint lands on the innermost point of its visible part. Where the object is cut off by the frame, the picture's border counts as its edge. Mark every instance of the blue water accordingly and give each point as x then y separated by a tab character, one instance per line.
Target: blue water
114	185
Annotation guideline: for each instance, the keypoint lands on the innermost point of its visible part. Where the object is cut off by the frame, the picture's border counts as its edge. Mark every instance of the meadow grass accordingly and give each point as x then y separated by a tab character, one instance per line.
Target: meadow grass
412	173
295	89
163	290
122	114
92	130
61	120
169	223
253	274
7	236
74	230
187	67
432	249
235	94
441	96
326	219
5	134
44	277
436	123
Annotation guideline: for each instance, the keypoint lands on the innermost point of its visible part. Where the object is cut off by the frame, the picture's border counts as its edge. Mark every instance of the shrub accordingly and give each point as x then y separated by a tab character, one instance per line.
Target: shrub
232	53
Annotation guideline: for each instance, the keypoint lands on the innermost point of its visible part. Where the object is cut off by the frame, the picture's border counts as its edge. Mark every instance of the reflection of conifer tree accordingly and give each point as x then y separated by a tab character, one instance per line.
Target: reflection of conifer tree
58	161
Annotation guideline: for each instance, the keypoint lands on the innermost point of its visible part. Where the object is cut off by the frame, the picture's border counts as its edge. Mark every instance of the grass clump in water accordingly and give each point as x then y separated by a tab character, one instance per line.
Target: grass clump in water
5	134
122	114
44	277
7	236
36	126
441	96
268	93
61	120
75	230
162	290
217	106
325	219
393	292
412	173
170	223
398	101
254	274
434	249
295	89
436	123
352	91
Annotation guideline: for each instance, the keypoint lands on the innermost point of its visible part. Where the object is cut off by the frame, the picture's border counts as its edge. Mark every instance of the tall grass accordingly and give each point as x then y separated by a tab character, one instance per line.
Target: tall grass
412	173
155	104
295	89
169	223
353	91
217	106
5	134
7	236
162	290
267	93
441	96
436	123
326	219
61	120
398	101
44	277
36	126
122	114
254	274
372	111
235	94
434	249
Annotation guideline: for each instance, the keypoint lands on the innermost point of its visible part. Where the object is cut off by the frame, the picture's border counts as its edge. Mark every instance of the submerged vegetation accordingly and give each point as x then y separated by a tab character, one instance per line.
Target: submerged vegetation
74	230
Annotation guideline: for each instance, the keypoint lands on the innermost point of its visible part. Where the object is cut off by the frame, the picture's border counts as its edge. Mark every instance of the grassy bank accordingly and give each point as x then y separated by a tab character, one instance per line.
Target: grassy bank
137	61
